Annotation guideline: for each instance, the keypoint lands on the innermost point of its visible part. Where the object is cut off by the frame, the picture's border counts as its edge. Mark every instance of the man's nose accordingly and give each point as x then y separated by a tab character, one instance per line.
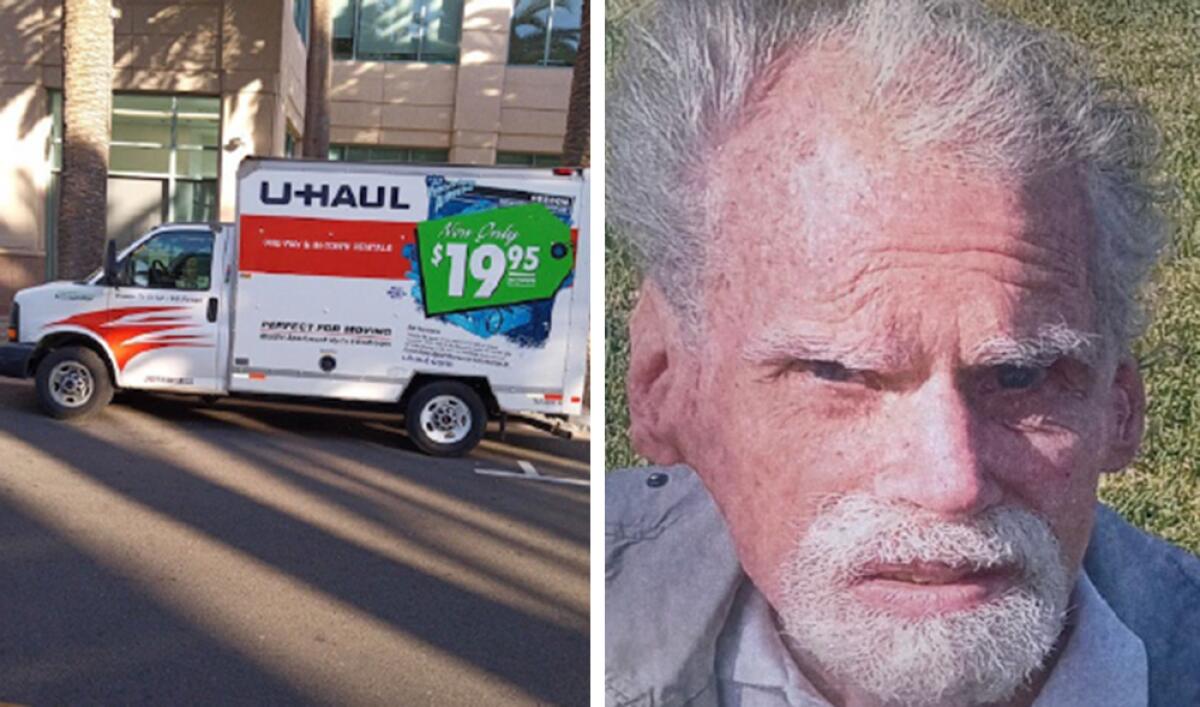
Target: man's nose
937	462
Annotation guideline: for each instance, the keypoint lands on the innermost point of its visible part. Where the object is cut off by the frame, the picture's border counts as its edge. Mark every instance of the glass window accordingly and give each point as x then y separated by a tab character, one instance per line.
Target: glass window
175	260
345	19
529	159
163	162
165	135
373	153
140	129
197	132
141	160
397	30
196	164
56	131
545	32
141	103
195	202
300	15
428	156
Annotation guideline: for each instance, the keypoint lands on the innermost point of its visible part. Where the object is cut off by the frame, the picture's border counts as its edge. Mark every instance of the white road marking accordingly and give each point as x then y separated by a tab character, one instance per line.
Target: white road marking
531	474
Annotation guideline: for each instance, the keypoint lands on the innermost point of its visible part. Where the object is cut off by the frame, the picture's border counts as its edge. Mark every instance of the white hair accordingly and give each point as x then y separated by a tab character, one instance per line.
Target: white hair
980	655
1004	96
1051	342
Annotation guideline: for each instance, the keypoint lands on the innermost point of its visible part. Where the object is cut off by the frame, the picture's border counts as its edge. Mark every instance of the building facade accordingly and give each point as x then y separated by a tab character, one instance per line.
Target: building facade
201	84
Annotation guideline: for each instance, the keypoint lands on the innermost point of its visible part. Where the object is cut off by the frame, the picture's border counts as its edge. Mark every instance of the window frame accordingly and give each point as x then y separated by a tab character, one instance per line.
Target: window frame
356	32
126	272
338	152
530	159
173	147
547	40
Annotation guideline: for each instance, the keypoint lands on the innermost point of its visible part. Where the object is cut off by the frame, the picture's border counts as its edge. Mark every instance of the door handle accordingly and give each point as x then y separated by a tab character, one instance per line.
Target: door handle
212	309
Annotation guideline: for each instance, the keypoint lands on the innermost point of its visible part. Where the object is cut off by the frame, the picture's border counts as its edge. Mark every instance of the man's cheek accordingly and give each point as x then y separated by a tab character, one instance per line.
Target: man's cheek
1053	475
1048	456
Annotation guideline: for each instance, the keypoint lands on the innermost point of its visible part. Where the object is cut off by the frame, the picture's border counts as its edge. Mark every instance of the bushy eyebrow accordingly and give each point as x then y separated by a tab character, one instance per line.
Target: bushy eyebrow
1050	343
781	345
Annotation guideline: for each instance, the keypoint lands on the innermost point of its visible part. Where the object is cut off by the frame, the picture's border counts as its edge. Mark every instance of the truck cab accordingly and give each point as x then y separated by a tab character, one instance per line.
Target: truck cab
155	318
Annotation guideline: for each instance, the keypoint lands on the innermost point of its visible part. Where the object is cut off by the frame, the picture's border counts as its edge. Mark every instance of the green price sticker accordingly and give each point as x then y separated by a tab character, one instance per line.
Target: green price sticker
492	258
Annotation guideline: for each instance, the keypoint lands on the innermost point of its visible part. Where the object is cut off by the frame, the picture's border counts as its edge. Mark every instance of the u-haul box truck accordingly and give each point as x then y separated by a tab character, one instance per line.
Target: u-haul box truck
454	293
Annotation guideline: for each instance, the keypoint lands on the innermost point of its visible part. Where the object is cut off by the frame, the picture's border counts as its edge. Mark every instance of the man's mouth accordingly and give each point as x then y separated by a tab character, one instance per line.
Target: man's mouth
927	588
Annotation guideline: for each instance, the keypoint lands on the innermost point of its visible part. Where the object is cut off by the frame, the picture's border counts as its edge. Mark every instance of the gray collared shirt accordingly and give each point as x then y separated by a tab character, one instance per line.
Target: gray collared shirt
672	576
1103	665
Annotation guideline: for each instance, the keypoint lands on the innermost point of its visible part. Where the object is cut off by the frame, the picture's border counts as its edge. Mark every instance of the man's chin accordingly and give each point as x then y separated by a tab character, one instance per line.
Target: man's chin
929	645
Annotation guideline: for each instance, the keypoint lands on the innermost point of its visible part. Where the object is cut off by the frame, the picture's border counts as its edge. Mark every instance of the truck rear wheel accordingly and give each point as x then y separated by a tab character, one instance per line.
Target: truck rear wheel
73	383
445	418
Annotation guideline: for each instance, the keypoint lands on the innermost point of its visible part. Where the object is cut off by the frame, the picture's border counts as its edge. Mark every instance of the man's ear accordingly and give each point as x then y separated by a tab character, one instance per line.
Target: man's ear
655	368
1128	410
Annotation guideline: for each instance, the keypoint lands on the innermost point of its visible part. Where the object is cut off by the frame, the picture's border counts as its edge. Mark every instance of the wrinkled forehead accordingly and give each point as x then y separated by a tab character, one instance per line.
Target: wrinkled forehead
811	219
832	202
814	156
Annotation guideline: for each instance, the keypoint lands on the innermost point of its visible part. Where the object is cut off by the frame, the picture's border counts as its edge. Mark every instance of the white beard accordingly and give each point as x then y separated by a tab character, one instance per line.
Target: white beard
979	656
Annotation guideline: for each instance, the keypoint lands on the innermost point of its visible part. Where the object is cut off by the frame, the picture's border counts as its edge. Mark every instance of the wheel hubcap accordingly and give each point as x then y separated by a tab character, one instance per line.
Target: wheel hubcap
71	384
446	419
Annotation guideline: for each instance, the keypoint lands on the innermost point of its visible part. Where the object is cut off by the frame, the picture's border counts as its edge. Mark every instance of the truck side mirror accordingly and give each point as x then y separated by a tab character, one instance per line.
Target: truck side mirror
110	263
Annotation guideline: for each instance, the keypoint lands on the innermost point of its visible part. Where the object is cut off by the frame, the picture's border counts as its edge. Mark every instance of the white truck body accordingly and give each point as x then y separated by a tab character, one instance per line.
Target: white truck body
314	292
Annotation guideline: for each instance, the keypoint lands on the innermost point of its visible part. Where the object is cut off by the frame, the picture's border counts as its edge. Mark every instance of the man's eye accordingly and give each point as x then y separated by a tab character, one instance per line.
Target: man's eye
829	370
825	370
1019	377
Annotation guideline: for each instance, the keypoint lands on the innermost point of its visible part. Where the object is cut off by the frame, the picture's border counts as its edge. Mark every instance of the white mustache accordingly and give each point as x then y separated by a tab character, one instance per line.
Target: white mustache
853	532
980	655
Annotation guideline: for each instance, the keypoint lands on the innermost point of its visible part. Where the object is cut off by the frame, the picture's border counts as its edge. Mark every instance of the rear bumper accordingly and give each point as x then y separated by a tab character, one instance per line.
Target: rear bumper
14	360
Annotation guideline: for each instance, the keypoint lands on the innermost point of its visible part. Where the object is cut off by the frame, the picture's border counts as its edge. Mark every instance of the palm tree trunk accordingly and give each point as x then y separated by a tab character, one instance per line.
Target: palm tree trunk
316	101
576	142
87	27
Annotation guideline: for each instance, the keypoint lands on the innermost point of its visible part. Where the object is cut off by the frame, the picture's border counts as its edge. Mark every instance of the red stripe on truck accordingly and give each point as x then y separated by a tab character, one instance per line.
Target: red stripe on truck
118	327
288	245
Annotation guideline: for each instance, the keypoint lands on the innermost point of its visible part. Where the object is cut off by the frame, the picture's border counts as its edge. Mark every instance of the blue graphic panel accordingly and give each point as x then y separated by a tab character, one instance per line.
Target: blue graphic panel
526	324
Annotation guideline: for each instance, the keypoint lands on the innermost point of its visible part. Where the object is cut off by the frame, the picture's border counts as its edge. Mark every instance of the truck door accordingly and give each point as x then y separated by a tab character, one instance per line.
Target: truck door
162	321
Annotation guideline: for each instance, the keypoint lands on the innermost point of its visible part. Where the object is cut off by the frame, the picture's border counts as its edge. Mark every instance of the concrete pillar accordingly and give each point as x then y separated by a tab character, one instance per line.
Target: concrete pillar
480	86
252	101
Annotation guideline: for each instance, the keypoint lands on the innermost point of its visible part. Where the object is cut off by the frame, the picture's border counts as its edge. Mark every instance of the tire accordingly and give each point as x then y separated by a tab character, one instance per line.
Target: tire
445	418
73	383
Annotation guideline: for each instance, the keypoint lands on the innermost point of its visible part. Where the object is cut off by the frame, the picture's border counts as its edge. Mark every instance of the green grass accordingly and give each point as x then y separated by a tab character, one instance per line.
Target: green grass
1151	47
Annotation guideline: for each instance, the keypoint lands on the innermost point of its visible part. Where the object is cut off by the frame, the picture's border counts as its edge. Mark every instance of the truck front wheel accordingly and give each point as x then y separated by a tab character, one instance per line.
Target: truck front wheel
72	383
445	418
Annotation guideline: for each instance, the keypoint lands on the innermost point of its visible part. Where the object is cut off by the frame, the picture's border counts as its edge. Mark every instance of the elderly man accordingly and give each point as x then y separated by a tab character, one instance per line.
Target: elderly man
891	251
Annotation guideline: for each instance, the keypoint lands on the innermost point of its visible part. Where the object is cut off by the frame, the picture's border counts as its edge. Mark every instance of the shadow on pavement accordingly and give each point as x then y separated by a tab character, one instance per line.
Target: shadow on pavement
70	628
546	659
367	437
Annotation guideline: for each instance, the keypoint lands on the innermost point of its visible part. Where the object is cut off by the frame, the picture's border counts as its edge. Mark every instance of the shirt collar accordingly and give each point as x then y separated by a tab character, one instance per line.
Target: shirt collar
751	653
1103	665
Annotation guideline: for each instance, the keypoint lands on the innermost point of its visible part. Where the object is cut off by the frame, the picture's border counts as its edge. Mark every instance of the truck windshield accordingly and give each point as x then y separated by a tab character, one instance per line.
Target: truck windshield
172	260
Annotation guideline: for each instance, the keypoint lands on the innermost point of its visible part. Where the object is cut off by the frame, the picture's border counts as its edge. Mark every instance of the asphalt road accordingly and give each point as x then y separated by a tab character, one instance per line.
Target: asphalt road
169	552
